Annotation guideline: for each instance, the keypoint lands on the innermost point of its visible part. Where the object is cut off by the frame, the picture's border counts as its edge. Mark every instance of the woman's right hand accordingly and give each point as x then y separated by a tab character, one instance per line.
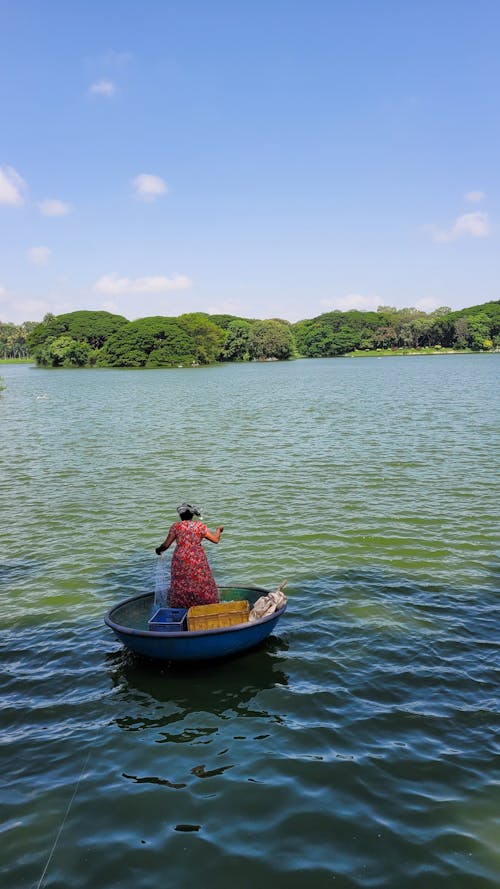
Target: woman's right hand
220	529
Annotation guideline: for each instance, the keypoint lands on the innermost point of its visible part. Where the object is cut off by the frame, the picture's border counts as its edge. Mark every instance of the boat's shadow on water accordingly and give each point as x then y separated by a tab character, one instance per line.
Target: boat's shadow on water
219	687
345	618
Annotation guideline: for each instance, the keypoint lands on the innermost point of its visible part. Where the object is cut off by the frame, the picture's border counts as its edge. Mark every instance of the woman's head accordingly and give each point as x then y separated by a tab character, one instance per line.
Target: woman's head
186	512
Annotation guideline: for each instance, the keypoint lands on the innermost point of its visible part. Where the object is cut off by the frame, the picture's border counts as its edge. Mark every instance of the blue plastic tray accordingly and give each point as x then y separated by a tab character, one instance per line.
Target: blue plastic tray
169	620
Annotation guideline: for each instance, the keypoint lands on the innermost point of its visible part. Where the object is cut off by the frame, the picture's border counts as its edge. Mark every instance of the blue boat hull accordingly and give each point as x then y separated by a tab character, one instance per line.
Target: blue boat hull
129	621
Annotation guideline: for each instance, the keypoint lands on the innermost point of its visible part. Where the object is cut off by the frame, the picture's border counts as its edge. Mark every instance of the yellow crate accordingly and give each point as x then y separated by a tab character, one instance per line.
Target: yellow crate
220	614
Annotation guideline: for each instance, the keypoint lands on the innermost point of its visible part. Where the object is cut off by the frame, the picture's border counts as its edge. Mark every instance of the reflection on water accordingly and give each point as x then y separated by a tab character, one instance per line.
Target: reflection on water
151	779
358	746
223	689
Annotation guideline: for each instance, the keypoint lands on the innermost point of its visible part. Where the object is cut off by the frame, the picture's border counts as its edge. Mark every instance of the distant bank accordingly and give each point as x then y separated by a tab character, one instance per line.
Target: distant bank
102	339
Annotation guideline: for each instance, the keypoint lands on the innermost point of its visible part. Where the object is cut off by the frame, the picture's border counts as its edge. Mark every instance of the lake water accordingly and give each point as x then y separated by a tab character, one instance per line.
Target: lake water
359	746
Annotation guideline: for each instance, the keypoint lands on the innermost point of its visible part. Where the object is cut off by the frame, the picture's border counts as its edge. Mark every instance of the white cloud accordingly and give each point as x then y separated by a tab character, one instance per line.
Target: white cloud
103	88
351	301
3	293
38	255
428	304
475	197
475	225
11	187
53	207
18	309
229	307
109	306
114	285
148	187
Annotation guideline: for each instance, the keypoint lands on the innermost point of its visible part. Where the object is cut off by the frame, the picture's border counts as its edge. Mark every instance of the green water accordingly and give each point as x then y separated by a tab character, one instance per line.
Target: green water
359	746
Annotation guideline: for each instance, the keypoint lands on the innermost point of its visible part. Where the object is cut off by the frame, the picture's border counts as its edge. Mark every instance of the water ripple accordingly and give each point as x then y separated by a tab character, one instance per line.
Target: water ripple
358	746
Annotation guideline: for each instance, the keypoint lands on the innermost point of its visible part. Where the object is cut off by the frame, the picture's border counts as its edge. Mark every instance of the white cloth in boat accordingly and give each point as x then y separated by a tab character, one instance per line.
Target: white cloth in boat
267	605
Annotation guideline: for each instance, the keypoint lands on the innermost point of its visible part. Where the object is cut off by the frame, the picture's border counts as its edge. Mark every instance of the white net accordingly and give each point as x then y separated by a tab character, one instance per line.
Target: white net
162	584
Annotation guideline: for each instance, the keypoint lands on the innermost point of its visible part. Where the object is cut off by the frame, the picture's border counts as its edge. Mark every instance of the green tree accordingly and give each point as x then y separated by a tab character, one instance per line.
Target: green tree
335	333
14	339
237	344
462	333
7	332
93	328
386	337
346	340
479	326
207	337
223	321
471	334
271	339
155	341
197	338
63	351
441	332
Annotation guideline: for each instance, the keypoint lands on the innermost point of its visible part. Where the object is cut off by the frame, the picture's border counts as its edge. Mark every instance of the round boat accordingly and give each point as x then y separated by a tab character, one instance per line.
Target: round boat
129	621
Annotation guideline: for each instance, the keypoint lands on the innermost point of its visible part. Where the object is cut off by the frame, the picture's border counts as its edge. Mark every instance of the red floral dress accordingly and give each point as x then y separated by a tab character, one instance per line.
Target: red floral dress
191	582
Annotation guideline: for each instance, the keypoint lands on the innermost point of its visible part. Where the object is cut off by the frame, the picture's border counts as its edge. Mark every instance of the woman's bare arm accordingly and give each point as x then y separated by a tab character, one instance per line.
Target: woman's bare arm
214	538
167	542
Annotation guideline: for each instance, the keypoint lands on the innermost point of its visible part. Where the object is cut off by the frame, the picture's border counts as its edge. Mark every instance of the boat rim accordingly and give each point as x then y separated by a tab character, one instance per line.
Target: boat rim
159	634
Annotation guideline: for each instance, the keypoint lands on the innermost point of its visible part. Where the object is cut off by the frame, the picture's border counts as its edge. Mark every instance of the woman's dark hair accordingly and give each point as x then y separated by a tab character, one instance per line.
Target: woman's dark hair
186	516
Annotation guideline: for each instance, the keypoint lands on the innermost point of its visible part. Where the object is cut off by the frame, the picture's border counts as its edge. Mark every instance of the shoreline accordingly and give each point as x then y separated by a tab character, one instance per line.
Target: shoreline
427	350
372	353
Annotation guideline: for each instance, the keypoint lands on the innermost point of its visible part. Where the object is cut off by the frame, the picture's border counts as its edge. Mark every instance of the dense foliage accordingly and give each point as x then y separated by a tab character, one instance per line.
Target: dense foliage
72	340
13	339
160	342
102	339
336	333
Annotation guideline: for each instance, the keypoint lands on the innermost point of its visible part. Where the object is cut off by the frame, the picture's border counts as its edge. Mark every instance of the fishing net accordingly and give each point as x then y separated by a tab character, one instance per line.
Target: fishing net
162	584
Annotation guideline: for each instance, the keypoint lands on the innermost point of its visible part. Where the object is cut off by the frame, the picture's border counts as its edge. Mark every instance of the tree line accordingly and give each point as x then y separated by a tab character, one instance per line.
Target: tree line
13	339
102	339
337	333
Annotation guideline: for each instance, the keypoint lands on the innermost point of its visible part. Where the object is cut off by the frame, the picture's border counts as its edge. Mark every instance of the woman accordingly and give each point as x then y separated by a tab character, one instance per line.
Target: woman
191	582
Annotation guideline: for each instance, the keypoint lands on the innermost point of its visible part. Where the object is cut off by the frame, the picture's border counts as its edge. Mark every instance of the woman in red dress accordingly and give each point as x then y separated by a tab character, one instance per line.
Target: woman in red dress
191	582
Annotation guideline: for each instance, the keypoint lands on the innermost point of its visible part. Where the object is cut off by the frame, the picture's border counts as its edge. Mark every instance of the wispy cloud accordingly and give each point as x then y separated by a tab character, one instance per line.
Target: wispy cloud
428	304
148	187
29	309
54	207
229	307
365	303
109	306
38	255
475	197
12	186
114	285
102	88
16	308
3	293
474	225
114	59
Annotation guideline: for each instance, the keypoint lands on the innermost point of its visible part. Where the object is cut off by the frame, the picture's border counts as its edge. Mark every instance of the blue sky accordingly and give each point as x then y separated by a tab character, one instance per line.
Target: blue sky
269	158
